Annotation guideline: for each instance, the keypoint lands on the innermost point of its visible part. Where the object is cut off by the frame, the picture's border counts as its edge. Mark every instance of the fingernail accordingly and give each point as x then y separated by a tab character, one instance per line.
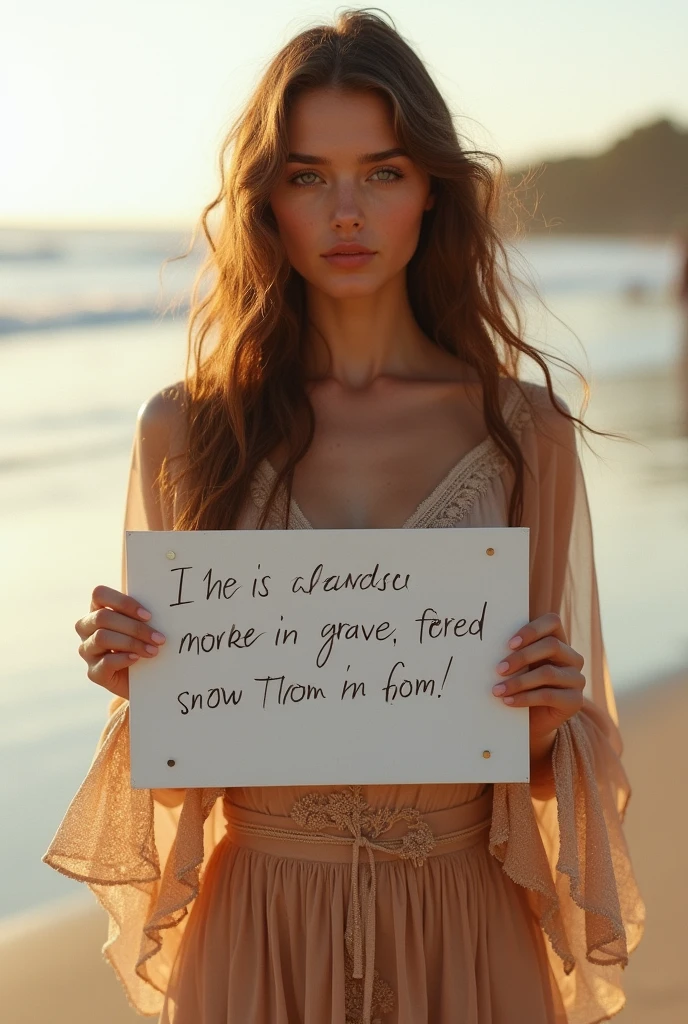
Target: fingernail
158	637
515	641
134	657
499	688
151	649
142	613
503	666
508	700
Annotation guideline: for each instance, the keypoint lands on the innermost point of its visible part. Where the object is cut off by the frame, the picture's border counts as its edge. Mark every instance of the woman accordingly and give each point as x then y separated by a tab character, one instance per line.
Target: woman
382	390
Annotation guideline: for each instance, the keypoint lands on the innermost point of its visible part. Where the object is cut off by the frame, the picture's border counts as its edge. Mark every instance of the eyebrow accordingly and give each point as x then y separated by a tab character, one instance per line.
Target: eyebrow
364	158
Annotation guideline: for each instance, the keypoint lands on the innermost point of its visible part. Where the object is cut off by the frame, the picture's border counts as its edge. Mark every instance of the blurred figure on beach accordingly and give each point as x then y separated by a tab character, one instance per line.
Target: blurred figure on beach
682	298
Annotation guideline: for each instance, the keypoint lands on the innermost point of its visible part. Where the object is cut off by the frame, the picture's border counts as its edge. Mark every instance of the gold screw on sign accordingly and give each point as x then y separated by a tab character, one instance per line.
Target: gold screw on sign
490	551
486	753
170	554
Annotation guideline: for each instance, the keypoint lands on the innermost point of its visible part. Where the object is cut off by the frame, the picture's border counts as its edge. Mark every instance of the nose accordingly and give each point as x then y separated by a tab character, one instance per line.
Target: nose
347	212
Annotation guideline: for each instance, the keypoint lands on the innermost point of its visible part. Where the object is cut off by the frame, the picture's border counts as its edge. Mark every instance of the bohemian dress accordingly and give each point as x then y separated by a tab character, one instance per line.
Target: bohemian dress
406	904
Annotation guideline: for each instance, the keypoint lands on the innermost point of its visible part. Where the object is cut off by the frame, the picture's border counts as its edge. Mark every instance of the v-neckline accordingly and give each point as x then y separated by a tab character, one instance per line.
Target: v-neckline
456	471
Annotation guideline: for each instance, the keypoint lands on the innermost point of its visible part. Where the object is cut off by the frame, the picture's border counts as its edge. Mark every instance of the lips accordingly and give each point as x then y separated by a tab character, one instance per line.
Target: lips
349	249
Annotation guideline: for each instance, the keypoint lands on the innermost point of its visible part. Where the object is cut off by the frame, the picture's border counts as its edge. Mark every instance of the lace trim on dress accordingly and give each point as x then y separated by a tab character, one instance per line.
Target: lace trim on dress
261	485
586	900
456	495
354	997
449	502
107	839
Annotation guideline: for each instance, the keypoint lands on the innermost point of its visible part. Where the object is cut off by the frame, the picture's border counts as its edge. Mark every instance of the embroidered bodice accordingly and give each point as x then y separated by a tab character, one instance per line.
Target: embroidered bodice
449	502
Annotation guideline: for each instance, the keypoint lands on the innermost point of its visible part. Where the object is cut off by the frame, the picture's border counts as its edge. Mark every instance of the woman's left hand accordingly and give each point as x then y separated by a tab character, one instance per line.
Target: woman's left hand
543	673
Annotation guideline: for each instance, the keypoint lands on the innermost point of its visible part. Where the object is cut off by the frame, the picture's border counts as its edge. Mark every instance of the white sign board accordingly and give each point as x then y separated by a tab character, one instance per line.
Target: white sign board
327	657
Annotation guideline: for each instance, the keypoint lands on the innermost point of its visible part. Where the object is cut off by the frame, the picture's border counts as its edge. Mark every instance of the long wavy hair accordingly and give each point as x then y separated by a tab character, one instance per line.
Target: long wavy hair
247	388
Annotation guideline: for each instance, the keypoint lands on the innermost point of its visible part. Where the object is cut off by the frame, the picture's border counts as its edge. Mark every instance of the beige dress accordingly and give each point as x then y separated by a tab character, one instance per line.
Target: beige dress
427	904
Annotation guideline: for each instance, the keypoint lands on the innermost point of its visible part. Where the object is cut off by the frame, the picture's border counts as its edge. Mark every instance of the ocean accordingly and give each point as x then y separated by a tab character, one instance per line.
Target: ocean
89	330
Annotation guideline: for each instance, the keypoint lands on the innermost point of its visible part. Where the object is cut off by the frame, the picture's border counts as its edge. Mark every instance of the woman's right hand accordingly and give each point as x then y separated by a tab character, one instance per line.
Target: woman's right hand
114	635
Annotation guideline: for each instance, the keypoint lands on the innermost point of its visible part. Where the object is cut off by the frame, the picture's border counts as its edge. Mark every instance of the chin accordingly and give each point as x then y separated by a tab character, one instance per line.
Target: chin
348	286
353	290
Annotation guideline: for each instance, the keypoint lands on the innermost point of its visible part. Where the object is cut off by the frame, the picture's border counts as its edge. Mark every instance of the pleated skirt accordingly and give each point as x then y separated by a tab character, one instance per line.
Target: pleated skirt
455	941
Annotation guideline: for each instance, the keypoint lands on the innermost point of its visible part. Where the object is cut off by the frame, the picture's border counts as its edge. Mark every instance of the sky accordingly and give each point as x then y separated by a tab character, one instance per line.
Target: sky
114	114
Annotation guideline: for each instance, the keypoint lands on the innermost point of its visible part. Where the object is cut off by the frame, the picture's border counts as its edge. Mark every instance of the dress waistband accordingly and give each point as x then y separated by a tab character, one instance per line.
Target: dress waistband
315	814
335	826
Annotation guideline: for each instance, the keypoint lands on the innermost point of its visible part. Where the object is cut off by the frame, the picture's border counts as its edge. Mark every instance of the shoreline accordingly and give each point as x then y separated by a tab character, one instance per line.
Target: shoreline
60	942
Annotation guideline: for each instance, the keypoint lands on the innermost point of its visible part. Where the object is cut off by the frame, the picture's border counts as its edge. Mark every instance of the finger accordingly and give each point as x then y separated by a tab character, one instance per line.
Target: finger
110	673
106	618
102	641
565	700
108	597
544	625
549	648
548	676
91	656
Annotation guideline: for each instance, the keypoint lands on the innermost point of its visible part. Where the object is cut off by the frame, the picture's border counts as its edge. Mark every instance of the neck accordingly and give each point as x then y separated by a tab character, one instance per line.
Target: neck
355	340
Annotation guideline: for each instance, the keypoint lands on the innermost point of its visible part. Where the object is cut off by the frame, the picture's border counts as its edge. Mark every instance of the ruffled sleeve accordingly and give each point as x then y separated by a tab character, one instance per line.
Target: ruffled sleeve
569	851
141	852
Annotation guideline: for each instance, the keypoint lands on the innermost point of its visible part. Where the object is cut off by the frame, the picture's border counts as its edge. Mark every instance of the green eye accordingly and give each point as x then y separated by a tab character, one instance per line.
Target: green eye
389	170
396	175
300	175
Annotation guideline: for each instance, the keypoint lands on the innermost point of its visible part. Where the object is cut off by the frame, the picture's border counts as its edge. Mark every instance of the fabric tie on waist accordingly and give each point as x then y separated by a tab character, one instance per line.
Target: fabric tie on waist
410	836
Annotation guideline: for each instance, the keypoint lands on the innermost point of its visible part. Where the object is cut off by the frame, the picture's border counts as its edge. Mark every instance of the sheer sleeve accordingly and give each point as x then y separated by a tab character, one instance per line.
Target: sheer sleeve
569	851
141	852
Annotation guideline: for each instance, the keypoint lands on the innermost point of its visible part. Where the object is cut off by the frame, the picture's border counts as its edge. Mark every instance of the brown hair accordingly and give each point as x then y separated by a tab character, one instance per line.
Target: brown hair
248	393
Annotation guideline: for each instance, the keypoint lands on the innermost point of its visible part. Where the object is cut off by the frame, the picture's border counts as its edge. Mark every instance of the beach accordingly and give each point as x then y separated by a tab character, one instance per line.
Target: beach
654	722
61	946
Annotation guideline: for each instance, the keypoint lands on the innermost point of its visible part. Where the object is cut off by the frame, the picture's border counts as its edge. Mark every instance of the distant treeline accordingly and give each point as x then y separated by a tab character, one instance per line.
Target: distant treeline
639	186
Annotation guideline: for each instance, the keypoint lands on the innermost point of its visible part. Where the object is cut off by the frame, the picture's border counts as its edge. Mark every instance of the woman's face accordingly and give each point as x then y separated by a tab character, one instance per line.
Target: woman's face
339	185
